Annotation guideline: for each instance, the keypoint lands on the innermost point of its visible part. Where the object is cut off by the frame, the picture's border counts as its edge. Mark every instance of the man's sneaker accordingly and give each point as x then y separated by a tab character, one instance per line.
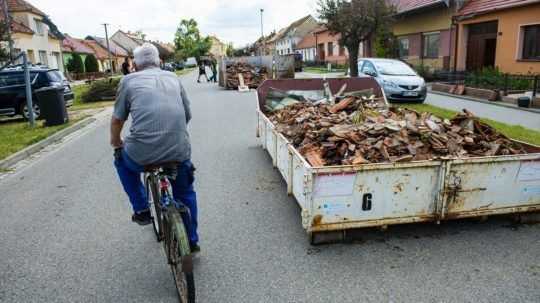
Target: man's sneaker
142	218
195	249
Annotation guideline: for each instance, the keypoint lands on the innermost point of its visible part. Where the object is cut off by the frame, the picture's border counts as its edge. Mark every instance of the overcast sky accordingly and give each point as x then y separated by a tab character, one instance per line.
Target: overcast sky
236	21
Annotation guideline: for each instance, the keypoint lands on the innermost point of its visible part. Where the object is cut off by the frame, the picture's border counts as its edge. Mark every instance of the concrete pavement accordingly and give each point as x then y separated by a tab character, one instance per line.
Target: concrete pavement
66	234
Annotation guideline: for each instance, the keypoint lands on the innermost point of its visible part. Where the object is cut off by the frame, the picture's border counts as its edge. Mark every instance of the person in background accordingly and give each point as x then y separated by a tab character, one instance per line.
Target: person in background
213	63
125	67
202	71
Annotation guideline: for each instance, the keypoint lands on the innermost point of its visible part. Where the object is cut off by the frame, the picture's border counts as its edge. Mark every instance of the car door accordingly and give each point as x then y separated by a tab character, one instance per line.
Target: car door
7	96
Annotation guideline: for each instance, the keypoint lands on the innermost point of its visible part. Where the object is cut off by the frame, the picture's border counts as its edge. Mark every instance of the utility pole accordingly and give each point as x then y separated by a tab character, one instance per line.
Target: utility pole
262	34
7	17
108	46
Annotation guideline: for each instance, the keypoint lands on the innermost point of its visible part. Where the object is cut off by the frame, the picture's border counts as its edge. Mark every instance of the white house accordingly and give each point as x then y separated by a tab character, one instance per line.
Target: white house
289	38
32	35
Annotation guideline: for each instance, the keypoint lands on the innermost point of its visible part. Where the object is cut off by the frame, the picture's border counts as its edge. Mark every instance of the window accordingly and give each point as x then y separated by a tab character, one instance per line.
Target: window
403	47
330	48
430	45
43	58
39	27
341	50
531	42
369	68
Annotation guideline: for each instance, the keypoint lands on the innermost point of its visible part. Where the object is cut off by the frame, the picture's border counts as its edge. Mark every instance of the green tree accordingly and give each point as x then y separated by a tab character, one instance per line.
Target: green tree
356	21
4	41
75	64
386	44
189	42
230	50
91	64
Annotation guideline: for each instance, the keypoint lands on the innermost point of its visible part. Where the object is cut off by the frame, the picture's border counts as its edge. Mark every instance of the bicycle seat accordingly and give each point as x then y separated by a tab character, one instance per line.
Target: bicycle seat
165	166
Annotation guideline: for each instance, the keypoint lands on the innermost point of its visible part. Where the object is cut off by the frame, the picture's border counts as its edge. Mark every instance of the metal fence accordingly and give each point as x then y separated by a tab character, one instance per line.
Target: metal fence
505	83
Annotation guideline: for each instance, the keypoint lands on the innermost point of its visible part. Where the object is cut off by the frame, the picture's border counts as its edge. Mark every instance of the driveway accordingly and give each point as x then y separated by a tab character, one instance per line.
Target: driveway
66	233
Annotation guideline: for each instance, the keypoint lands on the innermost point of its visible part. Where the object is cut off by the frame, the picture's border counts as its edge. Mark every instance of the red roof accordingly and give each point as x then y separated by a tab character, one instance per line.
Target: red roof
309	41
480	7
74	45
100	52
23	6
403	6
16	26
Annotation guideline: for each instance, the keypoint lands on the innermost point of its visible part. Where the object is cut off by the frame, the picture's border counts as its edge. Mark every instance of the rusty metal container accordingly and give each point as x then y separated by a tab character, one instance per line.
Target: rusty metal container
339	198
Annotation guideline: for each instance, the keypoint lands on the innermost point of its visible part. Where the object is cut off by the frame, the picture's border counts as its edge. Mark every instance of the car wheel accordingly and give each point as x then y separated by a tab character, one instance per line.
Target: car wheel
26	114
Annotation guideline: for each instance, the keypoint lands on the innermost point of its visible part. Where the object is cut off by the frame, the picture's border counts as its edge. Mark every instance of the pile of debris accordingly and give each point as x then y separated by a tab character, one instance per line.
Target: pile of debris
358	130
253	77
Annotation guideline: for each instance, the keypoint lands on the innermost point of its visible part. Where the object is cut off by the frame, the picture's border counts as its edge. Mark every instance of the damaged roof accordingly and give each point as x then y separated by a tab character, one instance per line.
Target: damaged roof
481	7
408	6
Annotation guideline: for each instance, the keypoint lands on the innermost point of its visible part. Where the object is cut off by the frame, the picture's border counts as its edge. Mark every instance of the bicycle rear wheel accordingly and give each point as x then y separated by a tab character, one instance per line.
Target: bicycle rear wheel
181	259
152	194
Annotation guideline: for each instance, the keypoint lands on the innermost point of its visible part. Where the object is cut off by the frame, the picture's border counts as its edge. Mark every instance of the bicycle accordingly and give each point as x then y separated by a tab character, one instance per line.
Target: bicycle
168	217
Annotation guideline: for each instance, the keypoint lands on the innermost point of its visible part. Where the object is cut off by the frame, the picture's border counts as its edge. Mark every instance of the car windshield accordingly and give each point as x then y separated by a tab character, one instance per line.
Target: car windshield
55	76
394	68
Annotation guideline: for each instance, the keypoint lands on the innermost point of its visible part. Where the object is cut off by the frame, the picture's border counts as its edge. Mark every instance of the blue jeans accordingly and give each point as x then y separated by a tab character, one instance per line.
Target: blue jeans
129	173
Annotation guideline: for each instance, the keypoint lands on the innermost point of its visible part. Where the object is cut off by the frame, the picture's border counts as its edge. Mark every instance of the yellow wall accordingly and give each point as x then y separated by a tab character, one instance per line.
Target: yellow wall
434	20
508	42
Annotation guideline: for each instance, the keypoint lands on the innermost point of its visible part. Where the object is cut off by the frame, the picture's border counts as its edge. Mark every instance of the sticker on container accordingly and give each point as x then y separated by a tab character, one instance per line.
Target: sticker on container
334	185
529	171
330	208
531	190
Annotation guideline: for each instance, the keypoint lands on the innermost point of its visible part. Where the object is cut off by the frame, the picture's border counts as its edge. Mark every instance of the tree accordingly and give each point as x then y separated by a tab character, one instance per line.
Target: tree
357	21
230	50
386	44
189	42
75	64
91	64
4	41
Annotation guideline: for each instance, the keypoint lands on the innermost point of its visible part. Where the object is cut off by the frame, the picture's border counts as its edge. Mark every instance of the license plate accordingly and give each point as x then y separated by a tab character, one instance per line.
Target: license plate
410	94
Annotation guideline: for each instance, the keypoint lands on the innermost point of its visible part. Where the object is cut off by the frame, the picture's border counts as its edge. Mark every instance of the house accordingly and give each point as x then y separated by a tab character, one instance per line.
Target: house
118	53
71	46
218	49
502	34
328	48
425	32
103	57
270	43
263	45
287	39
307	48
35	34
127	41
165	52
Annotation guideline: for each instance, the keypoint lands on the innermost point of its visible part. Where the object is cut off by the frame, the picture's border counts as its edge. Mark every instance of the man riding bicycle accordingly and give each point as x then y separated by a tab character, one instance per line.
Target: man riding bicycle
160	112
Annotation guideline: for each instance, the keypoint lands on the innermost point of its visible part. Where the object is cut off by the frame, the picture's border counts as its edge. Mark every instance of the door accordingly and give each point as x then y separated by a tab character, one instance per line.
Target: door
322	53
482	45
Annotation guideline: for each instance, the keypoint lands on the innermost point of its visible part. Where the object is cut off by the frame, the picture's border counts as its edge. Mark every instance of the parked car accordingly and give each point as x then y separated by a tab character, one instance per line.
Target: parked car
169	67
13	89
178	65
399	81
191	62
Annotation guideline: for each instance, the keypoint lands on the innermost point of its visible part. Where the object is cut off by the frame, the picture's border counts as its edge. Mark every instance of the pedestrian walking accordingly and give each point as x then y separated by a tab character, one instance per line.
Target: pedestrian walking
213	65
125	67
202	71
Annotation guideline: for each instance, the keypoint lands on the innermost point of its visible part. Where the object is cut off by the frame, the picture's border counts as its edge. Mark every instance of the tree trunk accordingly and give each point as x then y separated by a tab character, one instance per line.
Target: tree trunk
353	58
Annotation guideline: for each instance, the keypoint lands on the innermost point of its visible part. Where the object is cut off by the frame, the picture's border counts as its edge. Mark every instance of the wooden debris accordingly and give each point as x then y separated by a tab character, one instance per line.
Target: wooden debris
253	77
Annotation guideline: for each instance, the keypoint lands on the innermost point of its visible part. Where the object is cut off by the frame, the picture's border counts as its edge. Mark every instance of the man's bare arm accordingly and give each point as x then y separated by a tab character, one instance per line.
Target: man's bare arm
116	130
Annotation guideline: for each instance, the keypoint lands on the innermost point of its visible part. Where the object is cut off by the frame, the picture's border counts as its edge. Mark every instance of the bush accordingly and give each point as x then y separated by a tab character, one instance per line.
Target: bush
425	72
75	64
101	90
91	64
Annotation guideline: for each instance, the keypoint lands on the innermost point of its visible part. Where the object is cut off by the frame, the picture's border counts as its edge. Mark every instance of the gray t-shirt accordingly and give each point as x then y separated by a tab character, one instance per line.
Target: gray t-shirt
160	112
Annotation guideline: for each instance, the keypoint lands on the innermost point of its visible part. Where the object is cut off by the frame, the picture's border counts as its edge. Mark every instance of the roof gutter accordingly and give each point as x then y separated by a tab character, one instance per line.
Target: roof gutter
423	8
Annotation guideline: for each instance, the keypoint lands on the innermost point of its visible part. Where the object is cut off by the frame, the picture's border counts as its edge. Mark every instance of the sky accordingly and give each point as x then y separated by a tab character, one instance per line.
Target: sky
236	21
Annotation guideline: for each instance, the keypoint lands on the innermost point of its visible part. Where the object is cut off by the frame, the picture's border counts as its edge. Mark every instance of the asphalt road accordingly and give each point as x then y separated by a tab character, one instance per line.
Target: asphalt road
498	113
66	234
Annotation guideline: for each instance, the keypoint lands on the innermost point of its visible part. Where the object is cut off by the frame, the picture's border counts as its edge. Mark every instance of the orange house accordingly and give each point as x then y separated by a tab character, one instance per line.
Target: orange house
327	47
501	34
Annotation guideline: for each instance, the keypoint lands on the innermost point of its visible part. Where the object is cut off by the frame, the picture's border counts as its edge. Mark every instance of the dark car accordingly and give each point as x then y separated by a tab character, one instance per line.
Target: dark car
13	89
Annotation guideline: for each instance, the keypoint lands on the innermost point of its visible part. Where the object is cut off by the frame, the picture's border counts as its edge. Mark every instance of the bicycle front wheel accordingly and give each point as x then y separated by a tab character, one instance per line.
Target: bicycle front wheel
152	194
181	259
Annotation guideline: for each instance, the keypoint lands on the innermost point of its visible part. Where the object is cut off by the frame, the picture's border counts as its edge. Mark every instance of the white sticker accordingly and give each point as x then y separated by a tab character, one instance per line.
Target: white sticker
330	208
529	171
334	185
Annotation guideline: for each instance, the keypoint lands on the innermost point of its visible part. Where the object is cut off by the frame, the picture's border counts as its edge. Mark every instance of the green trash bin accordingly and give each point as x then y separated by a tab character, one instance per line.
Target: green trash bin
52	105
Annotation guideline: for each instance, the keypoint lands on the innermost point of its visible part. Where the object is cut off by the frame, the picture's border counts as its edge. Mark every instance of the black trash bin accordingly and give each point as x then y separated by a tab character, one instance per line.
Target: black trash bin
52	105
524	101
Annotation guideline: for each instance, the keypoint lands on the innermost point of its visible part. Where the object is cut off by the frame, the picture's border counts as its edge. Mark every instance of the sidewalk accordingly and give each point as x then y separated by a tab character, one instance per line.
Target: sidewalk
513	115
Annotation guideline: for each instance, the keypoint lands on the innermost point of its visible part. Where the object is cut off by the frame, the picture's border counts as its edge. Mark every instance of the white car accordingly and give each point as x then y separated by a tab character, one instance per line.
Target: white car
398	80
191	62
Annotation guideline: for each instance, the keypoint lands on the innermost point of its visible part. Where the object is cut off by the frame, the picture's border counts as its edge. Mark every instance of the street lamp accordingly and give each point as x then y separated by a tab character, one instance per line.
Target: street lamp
262	34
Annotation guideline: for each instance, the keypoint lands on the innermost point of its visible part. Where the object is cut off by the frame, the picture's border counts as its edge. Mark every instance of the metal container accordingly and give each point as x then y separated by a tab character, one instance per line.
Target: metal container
339	198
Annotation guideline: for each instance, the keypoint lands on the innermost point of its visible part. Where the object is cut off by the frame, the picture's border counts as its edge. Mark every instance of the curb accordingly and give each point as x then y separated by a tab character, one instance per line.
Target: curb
536	111
32	149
